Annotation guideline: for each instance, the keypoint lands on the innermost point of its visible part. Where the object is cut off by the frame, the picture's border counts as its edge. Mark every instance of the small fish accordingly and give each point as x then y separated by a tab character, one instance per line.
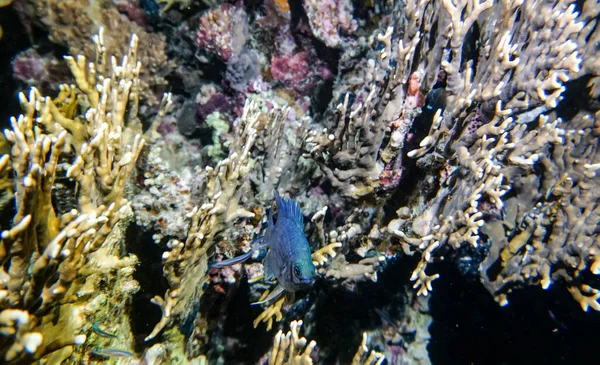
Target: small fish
385	317
560	324
99	351
436	99
289	258
100	332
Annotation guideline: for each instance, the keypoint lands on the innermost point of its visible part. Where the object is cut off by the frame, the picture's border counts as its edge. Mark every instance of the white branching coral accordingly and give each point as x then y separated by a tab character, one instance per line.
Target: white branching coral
290	348
348	152
509	183
293	349
366	356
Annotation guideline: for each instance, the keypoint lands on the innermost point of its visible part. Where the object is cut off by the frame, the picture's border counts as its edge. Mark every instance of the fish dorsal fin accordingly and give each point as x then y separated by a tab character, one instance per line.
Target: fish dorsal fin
289	208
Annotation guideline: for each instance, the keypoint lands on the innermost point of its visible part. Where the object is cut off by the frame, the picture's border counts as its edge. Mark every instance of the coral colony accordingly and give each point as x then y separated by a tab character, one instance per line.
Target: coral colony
418	130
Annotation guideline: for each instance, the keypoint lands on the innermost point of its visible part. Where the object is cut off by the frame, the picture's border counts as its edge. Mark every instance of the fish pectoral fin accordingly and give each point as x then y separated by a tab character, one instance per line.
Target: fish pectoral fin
273	295
233	260
236	260
270	281
269	275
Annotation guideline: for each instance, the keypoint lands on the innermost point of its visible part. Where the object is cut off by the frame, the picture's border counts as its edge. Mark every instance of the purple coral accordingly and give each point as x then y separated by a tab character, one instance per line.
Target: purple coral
241	69
218	102
44	72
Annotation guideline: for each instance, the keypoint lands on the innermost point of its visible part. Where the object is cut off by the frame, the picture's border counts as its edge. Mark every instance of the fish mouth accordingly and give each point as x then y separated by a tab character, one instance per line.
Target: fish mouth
305	282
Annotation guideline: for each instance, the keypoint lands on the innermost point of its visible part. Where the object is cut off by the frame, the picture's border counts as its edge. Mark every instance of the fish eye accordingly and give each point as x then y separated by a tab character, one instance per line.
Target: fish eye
297	271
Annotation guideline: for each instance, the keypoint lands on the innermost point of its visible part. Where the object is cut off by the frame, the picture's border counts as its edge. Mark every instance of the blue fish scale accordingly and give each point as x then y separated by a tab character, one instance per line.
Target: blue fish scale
288	246
288	239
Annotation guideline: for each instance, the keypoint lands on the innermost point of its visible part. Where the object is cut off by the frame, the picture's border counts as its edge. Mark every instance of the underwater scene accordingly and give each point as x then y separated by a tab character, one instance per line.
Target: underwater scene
273	182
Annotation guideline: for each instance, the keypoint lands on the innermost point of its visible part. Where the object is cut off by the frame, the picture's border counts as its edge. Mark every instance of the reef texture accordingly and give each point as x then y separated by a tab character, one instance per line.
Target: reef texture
73	23
464	130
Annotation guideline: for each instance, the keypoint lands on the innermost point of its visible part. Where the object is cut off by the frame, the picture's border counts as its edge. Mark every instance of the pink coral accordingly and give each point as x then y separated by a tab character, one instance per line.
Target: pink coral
222	31
329	18
296	72
292	71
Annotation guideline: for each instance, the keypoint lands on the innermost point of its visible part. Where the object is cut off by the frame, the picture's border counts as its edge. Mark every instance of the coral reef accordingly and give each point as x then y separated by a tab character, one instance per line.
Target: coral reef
494	132
186	263
411	133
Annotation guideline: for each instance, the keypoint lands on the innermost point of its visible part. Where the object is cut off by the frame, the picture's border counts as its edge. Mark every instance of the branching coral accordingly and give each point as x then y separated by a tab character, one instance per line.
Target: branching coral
365	356
186	264
458	114
511	184
349	152
279	151
493	134
291	348
52	260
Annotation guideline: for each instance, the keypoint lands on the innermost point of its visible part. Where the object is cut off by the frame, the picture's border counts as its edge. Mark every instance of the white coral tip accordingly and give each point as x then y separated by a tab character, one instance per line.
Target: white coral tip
79	339
31	341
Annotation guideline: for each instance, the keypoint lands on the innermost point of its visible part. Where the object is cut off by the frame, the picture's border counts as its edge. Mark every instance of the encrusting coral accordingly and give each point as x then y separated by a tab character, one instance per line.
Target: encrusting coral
54	261
73	23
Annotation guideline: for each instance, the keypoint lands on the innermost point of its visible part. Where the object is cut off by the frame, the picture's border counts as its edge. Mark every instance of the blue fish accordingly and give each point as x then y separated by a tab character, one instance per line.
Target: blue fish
289	259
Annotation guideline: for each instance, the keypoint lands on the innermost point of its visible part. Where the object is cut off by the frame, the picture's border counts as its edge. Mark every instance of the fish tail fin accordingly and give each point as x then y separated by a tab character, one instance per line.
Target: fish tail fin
290	209
244	257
